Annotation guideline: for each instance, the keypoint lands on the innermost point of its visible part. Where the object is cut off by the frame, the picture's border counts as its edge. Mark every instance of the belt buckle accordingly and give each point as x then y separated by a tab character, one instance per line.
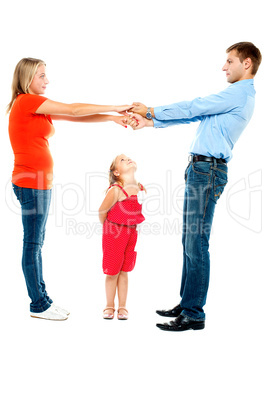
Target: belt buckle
190	158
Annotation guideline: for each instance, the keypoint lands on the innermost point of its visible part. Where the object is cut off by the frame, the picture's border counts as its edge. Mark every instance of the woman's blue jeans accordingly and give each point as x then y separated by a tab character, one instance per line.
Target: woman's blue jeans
35	207
205	182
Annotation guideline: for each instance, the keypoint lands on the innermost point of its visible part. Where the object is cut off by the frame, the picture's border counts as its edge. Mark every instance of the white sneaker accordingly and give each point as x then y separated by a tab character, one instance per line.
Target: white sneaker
60	310
50	314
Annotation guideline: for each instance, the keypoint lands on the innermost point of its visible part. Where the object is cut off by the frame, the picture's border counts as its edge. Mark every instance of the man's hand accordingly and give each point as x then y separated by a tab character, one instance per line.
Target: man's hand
141	122
139	108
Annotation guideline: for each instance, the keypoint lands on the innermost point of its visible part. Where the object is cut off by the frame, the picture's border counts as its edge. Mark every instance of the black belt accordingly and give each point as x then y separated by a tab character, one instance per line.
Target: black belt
202	158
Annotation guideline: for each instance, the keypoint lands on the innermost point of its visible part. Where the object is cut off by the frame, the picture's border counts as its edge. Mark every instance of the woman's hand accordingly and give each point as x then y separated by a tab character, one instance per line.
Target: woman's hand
135	120
125	121
141	122
122	109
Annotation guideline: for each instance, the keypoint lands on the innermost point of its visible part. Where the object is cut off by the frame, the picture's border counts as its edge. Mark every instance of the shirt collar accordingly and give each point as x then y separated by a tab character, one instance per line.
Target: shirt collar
245	82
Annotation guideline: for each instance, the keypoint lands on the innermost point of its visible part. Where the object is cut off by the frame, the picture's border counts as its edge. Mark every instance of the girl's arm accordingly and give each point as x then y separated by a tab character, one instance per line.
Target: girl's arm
97	118
110	199
77	109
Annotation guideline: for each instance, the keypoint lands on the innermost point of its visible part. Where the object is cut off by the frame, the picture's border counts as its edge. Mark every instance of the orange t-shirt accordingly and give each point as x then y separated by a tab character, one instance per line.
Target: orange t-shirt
29	133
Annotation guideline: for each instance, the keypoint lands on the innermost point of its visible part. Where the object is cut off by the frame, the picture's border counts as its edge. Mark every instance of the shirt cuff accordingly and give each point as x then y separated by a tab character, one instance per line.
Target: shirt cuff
157	123
157	112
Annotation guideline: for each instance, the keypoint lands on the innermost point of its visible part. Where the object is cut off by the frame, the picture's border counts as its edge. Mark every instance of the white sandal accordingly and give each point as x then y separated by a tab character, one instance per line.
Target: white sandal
108	316
122	316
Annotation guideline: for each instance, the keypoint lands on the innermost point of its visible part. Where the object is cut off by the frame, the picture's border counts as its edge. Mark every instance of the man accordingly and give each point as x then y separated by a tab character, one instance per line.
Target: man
222	118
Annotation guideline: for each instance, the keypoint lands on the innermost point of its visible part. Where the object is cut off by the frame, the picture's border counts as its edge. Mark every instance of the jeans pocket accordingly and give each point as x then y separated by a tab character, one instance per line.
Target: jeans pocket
220	182
17	192
186	172
202	168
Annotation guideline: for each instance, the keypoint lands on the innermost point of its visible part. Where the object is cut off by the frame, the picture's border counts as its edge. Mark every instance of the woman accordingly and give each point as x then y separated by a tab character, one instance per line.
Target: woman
30	126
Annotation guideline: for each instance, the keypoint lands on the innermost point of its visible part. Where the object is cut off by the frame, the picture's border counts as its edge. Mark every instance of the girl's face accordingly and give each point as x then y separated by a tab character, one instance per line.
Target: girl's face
124	164
39	82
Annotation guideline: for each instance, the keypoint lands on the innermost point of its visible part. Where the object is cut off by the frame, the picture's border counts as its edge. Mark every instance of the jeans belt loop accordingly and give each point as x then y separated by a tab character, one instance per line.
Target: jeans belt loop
215	163
190	158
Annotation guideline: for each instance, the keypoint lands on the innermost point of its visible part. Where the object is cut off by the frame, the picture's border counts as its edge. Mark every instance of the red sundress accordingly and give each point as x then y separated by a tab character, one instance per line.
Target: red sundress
120	235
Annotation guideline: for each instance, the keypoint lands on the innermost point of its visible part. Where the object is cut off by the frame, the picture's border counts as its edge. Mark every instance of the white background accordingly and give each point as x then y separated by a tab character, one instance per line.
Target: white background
116	52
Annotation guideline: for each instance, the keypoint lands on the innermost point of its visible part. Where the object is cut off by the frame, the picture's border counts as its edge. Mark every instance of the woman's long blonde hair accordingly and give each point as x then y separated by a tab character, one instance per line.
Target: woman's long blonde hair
23	75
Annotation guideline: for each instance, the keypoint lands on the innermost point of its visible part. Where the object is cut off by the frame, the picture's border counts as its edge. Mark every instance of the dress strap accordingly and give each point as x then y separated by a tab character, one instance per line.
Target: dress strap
141	186
117	185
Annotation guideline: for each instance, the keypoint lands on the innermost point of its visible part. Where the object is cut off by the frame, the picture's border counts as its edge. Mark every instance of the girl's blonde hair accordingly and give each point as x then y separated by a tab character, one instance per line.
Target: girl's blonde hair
112	178
23	75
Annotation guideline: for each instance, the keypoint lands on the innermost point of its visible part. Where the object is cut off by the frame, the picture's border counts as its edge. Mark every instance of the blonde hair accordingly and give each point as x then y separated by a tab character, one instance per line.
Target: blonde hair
23	75
112	178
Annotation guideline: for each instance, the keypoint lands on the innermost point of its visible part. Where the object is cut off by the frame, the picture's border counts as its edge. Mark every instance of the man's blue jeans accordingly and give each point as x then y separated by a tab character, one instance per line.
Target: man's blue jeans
205	182
35	207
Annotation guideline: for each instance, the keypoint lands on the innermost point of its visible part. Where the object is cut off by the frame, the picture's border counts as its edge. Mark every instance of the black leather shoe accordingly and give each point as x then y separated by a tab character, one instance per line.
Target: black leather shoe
181	323
174	312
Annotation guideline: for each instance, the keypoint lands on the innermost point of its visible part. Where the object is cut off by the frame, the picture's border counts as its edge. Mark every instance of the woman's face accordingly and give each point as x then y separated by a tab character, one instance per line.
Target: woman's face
39	82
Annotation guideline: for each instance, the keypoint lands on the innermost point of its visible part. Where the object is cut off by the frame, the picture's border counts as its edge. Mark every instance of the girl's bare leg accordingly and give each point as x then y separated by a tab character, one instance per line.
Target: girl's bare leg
111	285
122	290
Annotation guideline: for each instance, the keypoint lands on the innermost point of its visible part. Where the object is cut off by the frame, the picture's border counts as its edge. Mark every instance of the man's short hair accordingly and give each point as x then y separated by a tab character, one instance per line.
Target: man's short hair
245	50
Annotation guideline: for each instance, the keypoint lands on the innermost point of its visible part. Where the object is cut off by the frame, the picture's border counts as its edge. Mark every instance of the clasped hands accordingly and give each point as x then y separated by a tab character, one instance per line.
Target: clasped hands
135	116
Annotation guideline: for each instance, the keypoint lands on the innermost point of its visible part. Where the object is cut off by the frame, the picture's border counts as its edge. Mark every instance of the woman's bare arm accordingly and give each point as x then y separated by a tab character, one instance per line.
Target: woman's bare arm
96	118
77	109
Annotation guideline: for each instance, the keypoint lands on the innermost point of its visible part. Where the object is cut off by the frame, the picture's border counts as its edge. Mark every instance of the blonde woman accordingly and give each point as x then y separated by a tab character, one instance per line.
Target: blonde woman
30	127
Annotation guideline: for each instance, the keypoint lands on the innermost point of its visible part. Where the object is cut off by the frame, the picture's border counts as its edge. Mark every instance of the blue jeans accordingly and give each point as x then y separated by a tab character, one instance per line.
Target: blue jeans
35	207
205	182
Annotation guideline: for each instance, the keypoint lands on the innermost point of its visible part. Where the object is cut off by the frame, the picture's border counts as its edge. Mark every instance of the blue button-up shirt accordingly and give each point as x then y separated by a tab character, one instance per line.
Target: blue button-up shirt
222	118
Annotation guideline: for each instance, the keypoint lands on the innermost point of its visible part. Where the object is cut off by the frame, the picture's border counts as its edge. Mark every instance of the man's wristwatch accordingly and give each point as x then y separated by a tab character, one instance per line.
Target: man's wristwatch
148	114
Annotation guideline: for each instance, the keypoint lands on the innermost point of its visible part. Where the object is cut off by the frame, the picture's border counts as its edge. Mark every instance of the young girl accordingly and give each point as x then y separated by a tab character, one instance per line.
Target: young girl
119	213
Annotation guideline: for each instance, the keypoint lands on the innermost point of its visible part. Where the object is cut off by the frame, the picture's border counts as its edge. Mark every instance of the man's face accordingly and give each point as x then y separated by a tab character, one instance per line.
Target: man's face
235	70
